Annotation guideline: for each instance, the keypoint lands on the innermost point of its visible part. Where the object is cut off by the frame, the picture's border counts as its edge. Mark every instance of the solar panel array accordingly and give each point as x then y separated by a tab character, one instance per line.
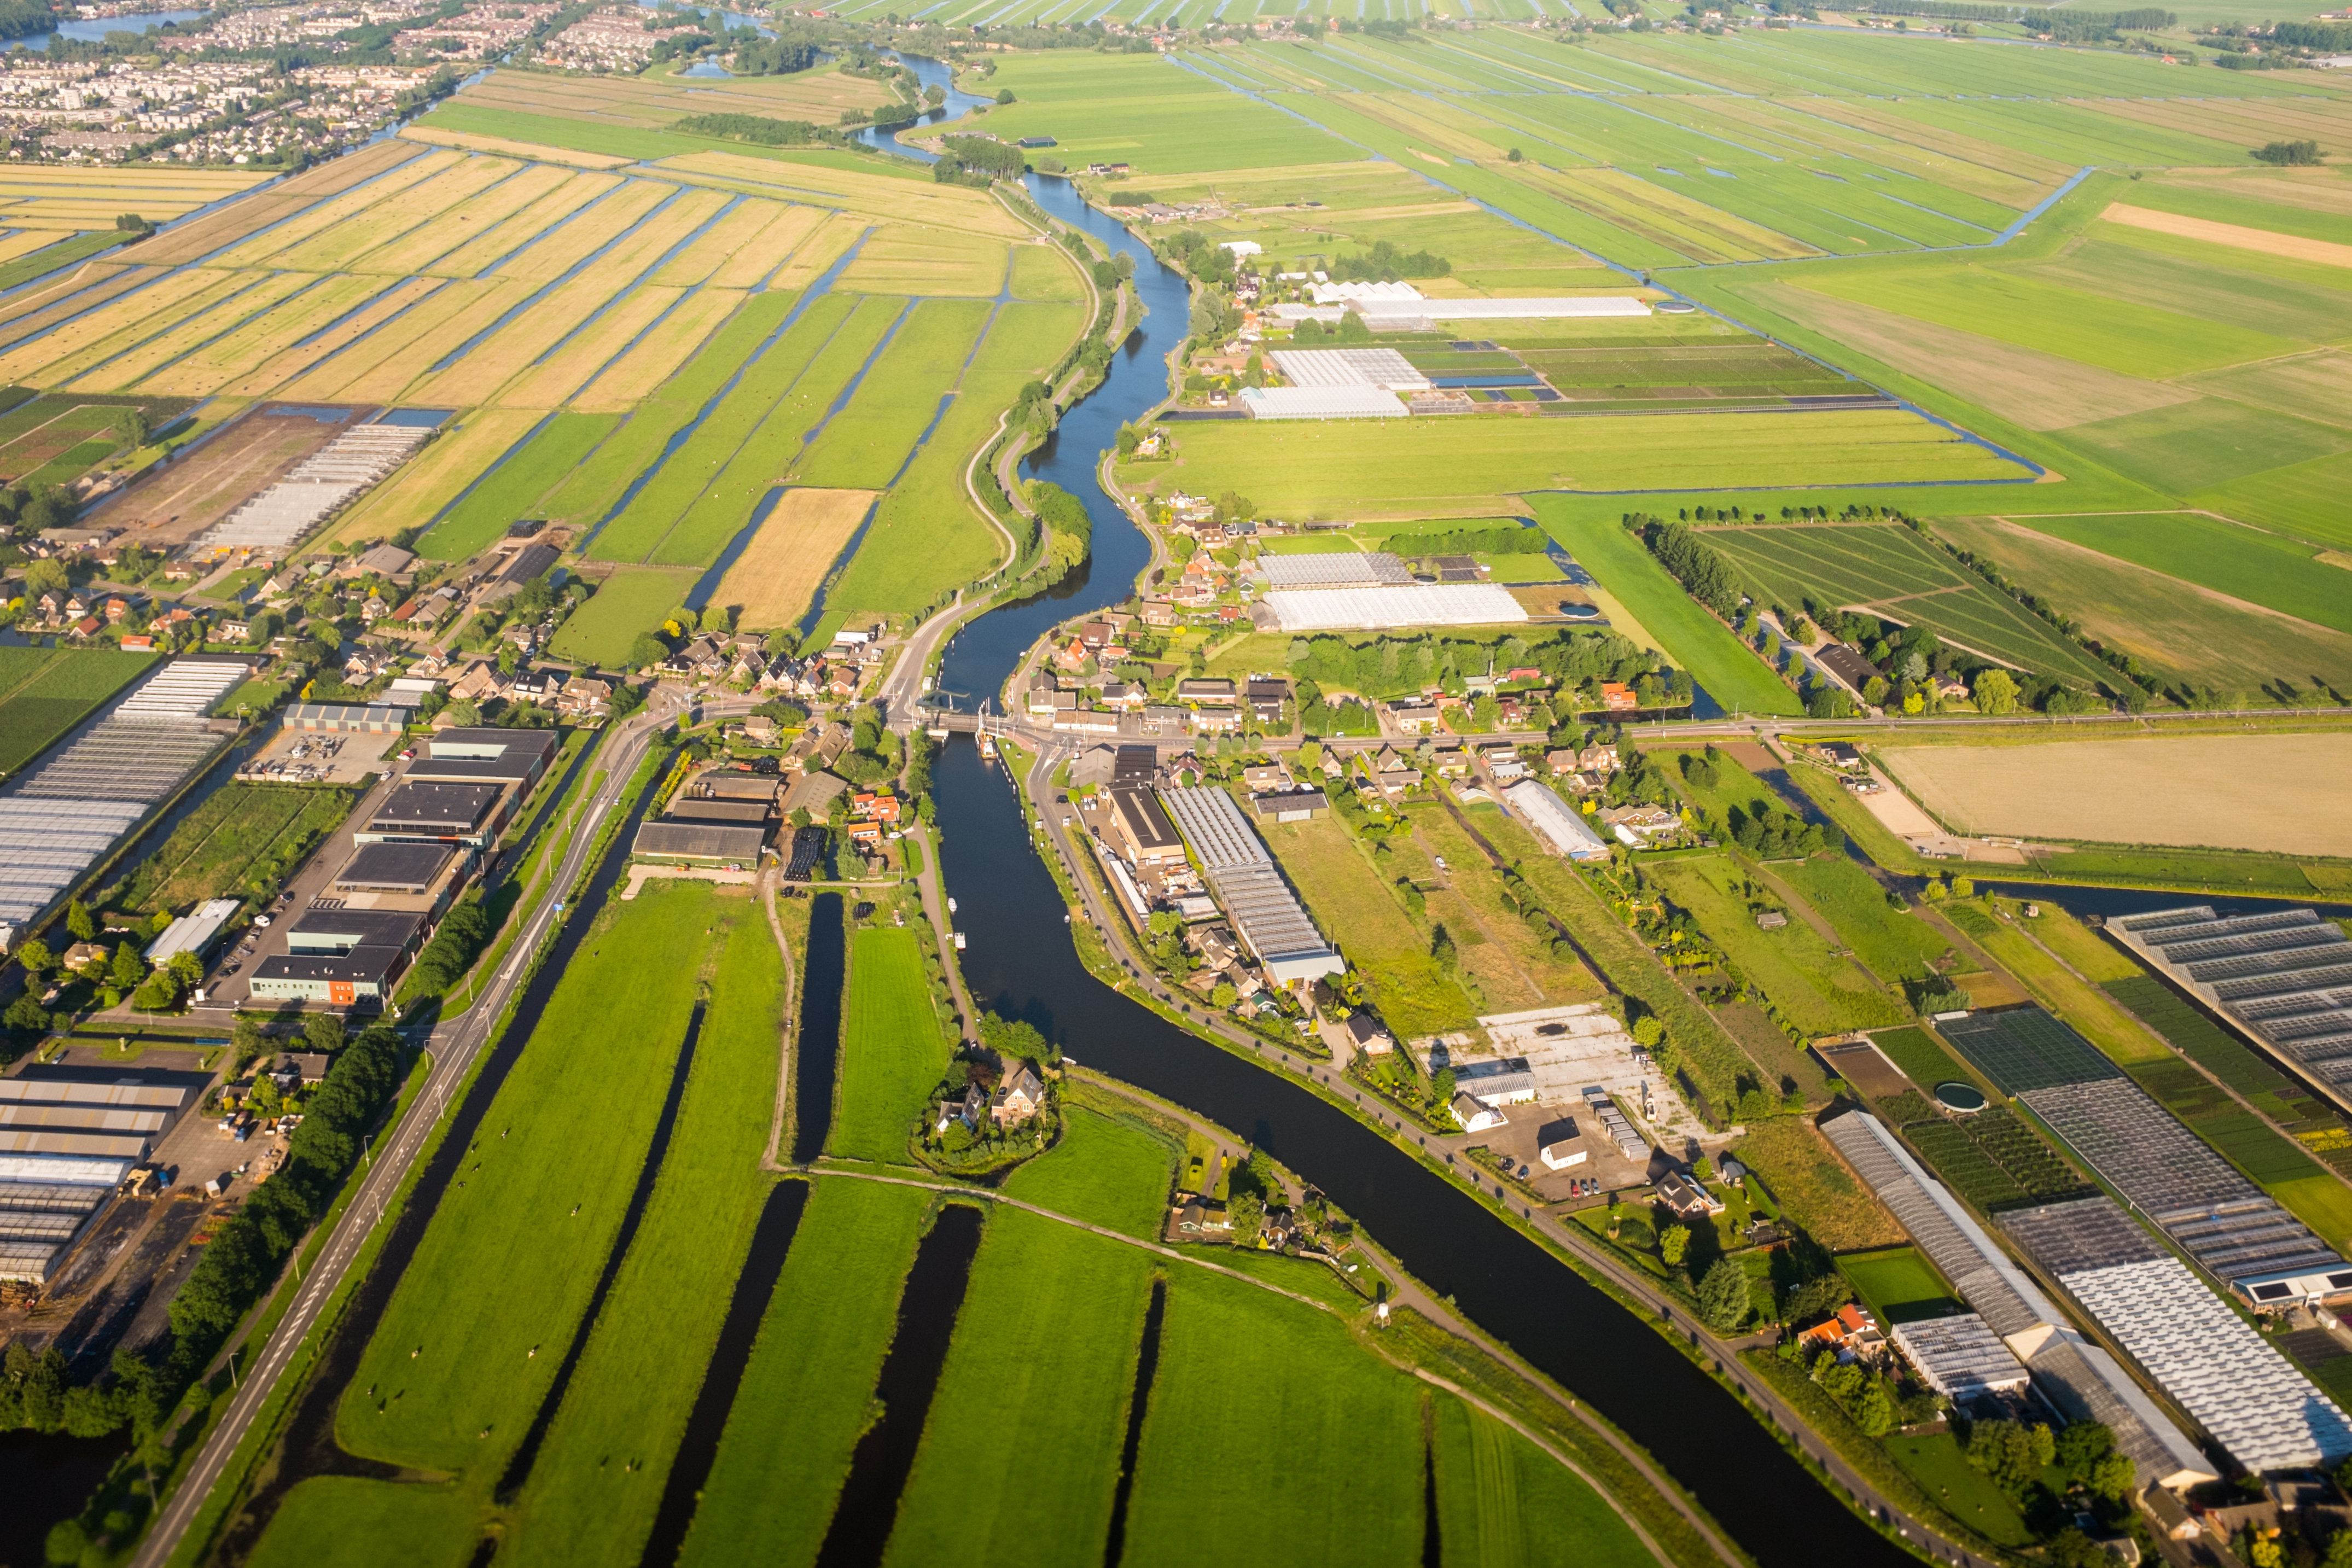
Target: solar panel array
67	814
2021	1049
2284	974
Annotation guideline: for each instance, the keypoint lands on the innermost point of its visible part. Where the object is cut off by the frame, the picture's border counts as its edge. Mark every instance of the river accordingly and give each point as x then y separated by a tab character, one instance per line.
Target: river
1453	1242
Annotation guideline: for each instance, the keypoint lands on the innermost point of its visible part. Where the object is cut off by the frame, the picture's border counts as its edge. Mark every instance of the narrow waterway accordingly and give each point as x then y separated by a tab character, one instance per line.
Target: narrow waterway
1021	963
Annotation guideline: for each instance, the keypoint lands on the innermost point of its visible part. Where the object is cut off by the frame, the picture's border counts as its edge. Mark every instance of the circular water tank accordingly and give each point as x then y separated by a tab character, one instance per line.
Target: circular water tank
1966	1099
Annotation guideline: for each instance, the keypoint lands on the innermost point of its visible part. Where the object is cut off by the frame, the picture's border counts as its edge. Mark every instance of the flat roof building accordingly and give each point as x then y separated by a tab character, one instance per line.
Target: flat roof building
344	958
395	867
1560	827
517	756
700	842
452	813
192	932
1141	831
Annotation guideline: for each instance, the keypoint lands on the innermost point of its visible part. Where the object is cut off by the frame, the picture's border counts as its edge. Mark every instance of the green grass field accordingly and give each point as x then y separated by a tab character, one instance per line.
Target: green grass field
805	1394
1694	639
45	692
893	1050
517	487
507	1264
1895	944
1104	1170
1922	1060
2261	568
865	445
1937	1461
1897	1283
1821	992
1234	1360
1383	943
1017	1449
345	1521
238	844
1891	570
629	602
1500	1499
645	1361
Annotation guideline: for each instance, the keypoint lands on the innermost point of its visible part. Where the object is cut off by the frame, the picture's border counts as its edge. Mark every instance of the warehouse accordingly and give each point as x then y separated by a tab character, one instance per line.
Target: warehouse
344	958
1340	569
1321	403
393	866
2254	1401
1140	831
719	813
450	814
1297	610
2077	1376
192	932
699	843
339	719
517	756
1265	915
1382	368
1553	821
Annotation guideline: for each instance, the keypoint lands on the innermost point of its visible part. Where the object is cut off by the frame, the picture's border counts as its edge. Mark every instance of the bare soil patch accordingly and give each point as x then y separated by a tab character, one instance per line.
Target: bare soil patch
2038	390
177	501
780	571
2238	236
2278	794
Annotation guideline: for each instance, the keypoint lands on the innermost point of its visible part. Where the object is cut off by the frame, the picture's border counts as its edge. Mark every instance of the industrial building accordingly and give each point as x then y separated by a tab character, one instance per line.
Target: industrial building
419	876
73	810
192	932
1140	830
1387	607
1960	1358
470	814
2213	1213
2267	1414
1265	915
344	958
699	843
516	757
1559	825
2282	977
340	718
2077	1376
68	1137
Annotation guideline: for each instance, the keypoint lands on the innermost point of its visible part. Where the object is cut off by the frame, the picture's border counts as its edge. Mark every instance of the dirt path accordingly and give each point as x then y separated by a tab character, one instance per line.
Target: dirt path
791	1013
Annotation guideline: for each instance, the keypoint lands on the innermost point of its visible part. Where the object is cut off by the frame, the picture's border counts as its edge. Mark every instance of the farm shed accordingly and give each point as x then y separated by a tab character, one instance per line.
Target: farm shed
2257	1405
699	842
1553	821
192	932
341	719
1378	608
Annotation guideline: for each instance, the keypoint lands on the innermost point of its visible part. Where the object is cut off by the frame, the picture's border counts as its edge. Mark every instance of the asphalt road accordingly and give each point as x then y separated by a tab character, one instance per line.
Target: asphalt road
455	1043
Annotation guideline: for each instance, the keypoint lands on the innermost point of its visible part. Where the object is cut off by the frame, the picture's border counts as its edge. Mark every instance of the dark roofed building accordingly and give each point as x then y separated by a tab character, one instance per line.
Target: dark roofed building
488	755
395	868
466	813
730	813
726	784
344	958
1140	826
700	842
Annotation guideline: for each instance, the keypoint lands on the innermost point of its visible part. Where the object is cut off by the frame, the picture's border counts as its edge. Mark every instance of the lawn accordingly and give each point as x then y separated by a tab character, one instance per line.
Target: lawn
1922	1060
239	842
806	1393
1897	1283
893	1049
644	1361
1821	992
1352	901
344	1522
1021	1446
1693	638
1896	946
1236	1362
1938	1462
43	693
630	601
1106	1171
512	1254
1480	465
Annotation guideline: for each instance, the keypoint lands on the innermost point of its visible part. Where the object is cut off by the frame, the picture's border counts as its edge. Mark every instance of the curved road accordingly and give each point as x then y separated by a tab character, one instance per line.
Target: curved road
454	1042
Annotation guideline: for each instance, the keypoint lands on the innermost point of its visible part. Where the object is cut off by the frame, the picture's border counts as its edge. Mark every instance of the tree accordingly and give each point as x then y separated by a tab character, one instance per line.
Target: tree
1723	1295
34	955
186	968
246	1042
1005	95
1648	1032
1515	155
647	649
1441	947
2339	1551
1246	1214
129	968
79	922
27	1016
1222	995
1673	1243
324	1031
1995	692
